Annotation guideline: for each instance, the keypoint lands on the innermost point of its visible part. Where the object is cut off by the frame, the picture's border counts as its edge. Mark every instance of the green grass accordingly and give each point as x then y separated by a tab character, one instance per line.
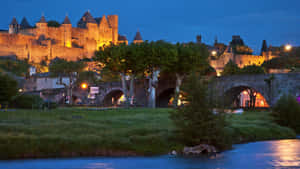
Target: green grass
256	126
81	132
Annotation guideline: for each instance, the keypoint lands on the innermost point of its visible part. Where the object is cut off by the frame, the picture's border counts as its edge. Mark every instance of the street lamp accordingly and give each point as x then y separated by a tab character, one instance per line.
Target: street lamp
288	47
214	53
84	86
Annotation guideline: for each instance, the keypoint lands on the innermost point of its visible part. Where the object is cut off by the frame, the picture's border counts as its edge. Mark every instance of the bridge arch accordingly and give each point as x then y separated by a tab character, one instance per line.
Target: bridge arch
163	98
244	95
113	97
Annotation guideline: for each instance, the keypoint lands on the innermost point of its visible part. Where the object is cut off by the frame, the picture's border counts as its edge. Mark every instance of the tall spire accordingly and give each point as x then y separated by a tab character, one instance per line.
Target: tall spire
42	20
67	20
138	36
264	47
14	21
24	24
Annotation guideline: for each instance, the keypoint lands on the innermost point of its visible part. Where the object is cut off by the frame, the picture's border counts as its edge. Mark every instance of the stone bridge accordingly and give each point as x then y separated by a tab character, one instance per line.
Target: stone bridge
270	86
111	91
226	88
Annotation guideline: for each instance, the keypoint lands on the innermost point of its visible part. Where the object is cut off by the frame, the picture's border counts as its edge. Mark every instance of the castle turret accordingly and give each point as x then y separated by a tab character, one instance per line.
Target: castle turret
24	24
66	26
113	21
264	48
138	38
14	26
42	27
199	39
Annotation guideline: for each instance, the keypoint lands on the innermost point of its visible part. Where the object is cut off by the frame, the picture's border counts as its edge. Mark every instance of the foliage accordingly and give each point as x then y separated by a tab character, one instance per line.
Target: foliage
287	112
53	23
109	76
17	67
195	122
231	69
252	69
27	101
189	57
8	88
63	67
87	76
282	62
50	105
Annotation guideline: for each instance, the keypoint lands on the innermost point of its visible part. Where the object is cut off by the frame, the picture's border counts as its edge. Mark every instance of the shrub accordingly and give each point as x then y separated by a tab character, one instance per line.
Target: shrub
195	122
8	89
231	68
50	105
253	69
287	112
28	101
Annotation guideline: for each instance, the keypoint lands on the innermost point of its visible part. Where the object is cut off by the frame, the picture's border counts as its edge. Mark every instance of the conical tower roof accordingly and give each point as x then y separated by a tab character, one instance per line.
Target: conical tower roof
24	24
14	21
42	20
89	18
138	36
264	47
67	20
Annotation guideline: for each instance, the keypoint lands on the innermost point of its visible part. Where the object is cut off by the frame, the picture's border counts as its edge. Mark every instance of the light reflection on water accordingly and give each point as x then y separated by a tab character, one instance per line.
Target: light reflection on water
286	153
283	154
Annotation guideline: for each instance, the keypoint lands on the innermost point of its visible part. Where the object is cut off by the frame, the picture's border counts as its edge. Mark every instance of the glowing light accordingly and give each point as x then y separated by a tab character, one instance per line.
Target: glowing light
84	86
288	47
214	53
68	44
20	90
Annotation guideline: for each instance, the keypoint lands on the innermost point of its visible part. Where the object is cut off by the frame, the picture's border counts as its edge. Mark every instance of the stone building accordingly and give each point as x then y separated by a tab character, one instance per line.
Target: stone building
221	54
43	42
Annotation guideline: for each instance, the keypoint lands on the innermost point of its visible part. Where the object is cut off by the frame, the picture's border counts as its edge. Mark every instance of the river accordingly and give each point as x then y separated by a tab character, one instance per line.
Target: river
281	154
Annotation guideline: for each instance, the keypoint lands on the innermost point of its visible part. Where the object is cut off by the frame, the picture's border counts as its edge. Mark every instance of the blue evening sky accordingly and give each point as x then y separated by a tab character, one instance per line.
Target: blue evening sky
277	21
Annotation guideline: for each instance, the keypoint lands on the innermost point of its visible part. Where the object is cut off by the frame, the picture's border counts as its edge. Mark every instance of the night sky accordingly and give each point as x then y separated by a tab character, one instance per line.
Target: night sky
277	21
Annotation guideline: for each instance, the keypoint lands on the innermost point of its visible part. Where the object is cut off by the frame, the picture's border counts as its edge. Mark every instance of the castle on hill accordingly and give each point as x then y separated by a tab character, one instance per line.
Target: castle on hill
43	42
239	53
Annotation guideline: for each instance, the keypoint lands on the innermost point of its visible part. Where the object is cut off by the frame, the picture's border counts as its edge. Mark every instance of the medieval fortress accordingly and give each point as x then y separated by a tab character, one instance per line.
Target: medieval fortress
43	42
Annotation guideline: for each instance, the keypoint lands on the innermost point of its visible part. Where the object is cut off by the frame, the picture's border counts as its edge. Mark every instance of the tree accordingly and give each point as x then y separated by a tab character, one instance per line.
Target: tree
287	112
17	67
53	23
8	88
231	69
195	122
189	57
87	76
119	59
158	56
61	67
252	69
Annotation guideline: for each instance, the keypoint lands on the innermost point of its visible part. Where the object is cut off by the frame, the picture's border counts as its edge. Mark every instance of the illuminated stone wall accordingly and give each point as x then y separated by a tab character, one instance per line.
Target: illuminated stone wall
65	41
241	60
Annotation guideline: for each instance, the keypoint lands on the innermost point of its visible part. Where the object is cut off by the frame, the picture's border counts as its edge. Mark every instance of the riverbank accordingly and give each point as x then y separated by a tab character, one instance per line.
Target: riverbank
119	132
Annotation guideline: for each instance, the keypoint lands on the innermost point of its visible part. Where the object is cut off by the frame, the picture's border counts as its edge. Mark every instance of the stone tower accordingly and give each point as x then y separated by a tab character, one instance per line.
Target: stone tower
264	48
42	27
67	32
199	39
138	38
14	26
114	24
24	24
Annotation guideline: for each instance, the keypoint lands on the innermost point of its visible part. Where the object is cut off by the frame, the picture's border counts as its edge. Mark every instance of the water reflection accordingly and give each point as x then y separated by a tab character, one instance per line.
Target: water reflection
99	166
284	154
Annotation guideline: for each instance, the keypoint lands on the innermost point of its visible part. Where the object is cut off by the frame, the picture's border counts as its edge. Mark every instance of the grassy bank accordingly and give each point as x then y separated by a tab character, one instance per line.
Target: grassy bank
80	132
